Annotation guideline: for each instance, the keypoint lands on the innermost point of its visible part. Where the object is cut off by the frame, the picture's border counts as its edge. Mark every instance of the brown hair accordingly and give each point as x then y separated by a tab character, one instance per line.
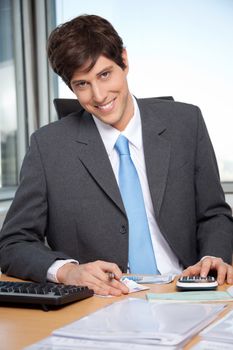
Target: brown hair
82	40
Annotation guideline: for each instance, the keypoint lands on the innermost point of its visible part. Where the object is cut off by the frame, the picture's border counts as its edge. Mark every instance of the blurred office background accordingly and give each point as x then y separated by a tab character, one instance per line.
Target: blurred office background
182	48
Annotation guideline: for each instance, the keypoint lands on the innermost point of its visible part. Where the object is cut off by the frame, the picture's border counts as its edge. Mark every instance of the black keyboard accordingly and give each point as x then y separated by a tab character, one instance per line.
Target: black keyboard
44	294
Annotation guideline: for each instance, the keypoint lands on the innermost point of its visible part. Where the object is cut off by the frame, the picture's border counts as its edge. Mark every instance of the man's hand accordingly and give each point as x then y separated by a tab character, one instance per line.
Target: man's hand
207	264
95	275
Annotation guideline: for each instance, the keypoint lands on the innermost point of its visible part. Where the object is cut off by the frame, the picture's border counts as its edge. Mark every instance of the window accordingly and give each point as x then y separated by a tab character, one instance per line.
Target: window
175	47
27	88
26	102
8	111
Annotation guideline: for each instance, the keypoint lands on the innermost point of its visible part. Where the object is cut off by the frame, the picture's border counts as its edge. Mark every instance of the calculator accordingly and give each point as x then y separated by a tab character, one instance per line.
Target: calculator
186	283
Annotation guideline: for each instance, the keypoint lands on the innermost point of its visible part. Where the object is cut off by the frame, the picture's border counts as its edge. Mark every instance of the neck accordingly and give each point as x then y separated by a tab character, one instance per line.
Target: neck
127	114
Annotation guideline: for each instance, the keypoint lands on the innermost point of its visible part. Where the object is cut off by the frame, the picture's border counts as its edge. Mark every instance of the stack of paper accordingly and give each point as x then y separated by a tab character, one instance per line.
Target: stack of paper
63	343
137	324
219	335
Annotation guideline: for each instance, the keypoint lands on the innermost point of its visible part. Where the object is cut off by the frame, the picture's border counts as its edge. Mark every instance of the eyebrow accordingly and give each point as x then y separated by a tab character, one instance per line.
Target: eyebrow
98	74
104	70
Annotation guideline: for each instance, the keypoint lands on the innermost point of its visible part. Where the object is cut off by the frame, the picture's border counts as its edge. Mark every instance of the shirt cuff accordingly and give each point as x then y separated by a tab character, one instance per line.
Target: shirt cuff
52	271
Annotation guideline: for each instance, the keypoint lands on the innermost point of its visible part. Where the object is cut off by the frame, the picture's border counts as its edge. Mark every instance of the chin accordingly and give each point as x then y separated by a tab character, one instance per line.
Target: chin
109	121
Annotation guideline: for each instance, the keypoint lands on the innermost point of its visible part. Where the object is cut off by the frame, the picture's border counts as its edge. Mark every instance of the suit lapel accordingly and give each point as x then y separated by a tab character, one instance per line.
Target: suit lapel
156	151
92	154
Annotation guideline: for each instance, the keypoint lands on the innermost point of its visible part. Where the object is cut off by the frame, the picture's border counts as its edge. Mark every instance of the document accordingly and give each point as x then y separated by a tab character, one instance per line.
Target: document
63	343
132	285
144	279
195	296
221	331
136	321
209	345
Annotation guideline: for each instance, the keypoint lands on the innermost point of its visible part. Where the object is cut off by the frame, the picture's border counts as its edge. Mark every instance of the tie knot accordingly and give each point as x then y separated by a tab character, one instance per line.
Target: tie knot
122	145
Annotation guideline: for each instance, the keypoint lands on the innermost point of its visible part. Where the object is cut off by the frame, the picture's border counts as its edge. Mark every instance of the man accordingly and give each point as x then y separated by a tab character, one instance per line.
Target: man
71	188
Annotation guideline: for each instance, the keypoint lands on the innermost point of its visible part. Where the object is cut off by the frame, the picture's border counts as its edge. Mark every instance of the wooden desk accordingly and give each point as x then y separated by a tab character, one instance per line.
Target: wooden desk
20	327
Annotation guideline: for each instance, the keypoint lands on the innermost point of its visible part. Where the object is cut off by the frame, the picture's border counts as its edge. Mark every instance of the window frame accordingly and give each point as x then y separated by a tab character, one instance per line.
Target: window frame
35	84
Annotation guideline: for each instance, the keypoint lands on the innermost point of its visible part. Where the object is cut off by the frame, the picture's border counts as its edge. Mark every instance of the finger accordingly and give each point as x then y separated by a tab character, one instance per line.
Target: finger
111	282
109	273
107	290
110	267
221	273
107	287
100	287
103	270
104	275
192	270
85	274
216	262
101	283
119	285
205	266
229	274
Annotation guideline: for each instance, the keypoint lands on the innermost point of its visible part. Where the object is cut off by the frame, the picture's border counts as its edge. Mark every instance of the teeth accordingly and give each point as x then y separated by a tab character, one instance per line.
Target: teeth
107	106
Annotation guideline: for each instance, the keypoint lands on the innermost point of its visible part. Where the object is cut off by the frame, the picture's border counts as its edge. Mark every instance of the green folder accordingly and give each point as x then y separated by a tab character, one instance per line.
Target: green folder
196	296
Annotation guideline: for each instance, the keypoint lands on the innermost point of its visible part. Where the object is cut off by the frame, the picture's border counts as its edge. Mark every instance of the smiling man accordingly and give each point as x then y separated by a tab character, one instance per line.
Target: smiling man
124	185
103	91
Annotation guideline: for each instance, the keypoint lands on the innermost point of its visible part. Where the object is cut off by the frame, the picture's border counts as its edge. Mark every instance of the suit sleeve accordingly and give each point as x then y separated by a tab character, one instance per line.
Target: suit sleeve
23	252
214	217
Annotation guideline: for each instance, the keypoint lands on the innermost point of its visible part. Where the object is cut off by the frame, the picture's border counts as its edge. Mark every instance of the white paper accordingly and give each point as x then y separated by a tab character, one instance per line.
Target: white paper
133	286
221	331
156	279
140	322
63	343
209	345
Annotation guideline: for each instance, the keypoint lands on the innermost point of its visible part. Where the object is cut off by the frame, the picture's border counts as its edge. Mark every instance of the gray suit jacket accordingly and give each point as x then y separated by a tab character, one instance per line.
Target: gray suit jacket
68	194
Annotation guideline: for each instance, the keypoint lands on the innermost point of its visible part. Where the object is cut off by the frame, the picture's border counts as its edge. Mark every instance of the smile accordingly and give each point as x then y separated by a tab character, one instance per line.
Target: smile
106	107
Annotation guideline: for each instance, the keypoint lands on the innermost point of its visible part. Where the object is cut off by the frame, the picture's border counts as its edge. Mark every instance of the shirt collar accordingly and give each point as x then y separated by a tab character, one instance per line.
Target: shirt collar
133	131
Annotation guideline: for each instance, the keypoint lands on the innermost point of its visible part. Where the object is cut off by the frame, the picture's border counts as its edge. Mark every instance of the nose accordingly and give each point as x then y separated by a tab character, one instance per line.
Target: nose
98	93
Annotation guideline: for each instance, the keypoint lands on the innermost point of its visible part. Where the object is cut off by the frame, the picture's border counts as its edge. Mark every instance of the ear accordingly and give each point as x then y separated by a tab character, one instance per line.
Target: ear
125	59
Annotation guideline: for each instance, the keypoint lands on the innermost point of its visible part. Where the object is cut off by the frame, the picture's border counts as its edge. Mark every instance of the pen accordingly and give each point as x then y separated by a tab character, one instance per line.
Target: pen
111	276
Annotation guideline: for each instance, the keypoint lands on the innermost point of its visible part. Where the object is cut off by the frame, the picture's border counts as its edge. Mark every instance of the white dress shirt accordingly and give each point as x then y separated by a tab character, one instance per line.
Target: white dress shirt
167	261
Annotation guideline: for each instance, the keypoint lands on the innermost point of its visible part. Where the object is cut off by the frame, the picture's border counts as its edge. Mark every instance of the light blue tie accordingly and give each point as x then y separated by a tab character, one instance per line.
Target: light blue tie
141	254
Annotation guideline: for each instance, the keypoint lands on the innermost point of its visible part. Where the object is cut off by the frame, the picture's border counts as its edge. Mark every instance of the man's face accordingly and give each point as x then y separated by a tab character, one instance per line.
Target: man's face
103	92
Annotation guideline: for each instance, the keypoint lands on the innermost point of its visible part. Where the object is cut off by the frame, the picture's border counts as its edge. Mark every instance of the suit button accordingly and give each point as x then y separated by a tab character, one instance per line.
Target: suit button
123	229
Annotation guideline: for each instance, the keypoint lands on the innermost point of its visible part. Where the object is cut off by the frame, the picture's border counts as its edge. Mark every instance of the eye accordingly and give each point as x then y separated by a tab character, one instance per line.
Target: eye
105	75
81	84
